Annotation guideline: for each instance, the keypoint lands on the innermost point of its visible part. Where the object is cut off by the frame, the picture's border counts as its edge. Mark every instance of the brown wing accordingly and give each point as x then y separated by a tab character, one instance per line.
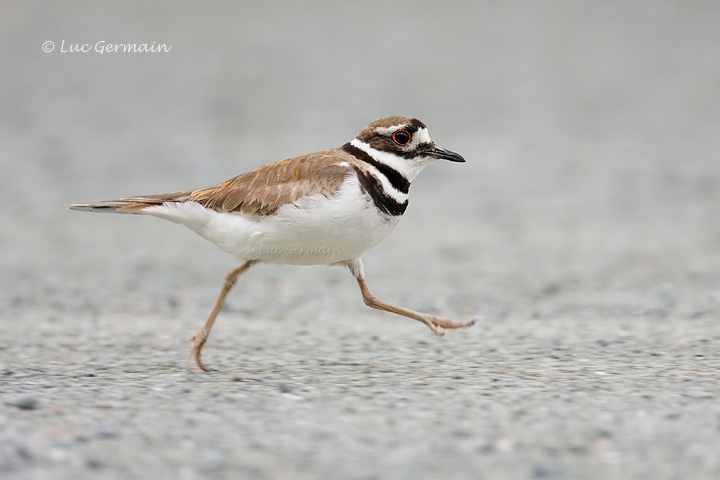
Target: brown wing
258	192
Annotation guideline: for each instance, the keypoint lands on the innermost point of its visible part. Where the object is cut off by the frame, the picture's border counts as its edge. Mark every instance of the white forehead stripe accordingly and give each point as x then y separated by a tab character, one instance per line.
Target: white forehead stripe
422	136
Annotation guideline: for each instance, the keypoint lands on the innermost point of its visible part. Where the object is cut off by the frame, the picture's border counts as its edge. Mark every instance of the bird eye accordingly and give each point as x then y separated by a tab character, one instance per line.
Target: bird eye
401	137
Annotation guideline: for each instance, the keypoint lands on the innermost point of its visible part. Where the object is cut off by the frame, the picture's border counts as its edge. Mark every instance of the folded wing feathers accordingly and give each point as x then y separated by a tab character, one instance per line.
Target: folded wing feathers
258	192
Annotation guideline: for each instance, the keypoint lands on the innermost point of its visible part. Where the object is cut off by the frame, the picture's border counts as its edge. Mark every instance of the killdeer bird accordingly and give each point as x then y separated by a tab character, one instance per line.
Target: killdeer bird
322	208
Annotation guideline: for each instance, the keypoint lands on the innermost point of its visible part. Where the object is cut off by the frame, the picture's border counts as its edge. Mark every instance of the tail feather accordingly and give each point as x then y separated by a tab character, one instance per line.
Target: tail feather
130	204
114	206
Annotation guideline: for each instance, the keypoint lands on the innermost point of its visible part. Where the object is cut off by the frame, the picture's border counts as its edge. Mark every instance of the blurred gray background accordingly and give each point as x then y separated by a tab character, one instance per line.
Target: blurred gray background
583	232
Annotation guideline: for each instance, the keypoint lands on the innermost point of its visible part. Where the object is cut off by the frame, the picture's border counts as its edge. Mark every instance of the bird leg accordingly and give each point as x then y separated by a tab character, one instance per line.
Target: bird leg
436	324
201	336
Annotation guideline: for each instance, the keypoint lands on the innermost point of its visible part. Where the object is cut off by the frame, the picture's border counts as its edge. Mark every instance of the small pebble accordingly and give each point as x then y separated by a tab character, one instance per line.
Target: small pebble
93	463
548	471
698	394
213	460
108	431
26	403
23	450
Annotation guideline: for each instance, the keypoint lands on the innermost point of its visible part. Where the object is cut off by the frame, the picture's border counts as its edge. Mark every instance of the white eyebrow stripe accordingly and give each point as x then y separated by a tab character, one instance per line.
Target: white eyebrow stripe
388	130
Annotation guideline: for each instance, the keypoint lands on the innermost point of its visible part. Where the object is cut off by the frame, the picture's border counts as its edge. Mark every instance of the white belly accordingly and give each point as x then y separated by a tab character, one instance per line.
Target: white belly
315	230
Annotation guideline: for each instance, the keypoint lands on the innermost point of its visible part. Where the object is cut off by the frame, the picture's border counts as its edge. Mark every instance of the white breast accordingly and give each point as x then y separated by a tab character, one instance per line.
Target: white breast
315	230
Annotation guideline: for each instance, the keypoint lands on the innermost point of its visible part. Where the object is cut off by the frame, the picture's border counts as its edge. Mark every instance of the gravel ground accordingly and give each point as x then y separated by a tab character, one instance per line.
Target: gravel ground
583	234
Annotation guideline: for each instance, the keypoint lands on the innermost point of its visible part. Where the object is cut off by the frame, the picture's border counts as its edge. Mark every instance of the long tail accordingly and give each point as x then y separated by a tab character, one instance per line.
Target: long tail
131	204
